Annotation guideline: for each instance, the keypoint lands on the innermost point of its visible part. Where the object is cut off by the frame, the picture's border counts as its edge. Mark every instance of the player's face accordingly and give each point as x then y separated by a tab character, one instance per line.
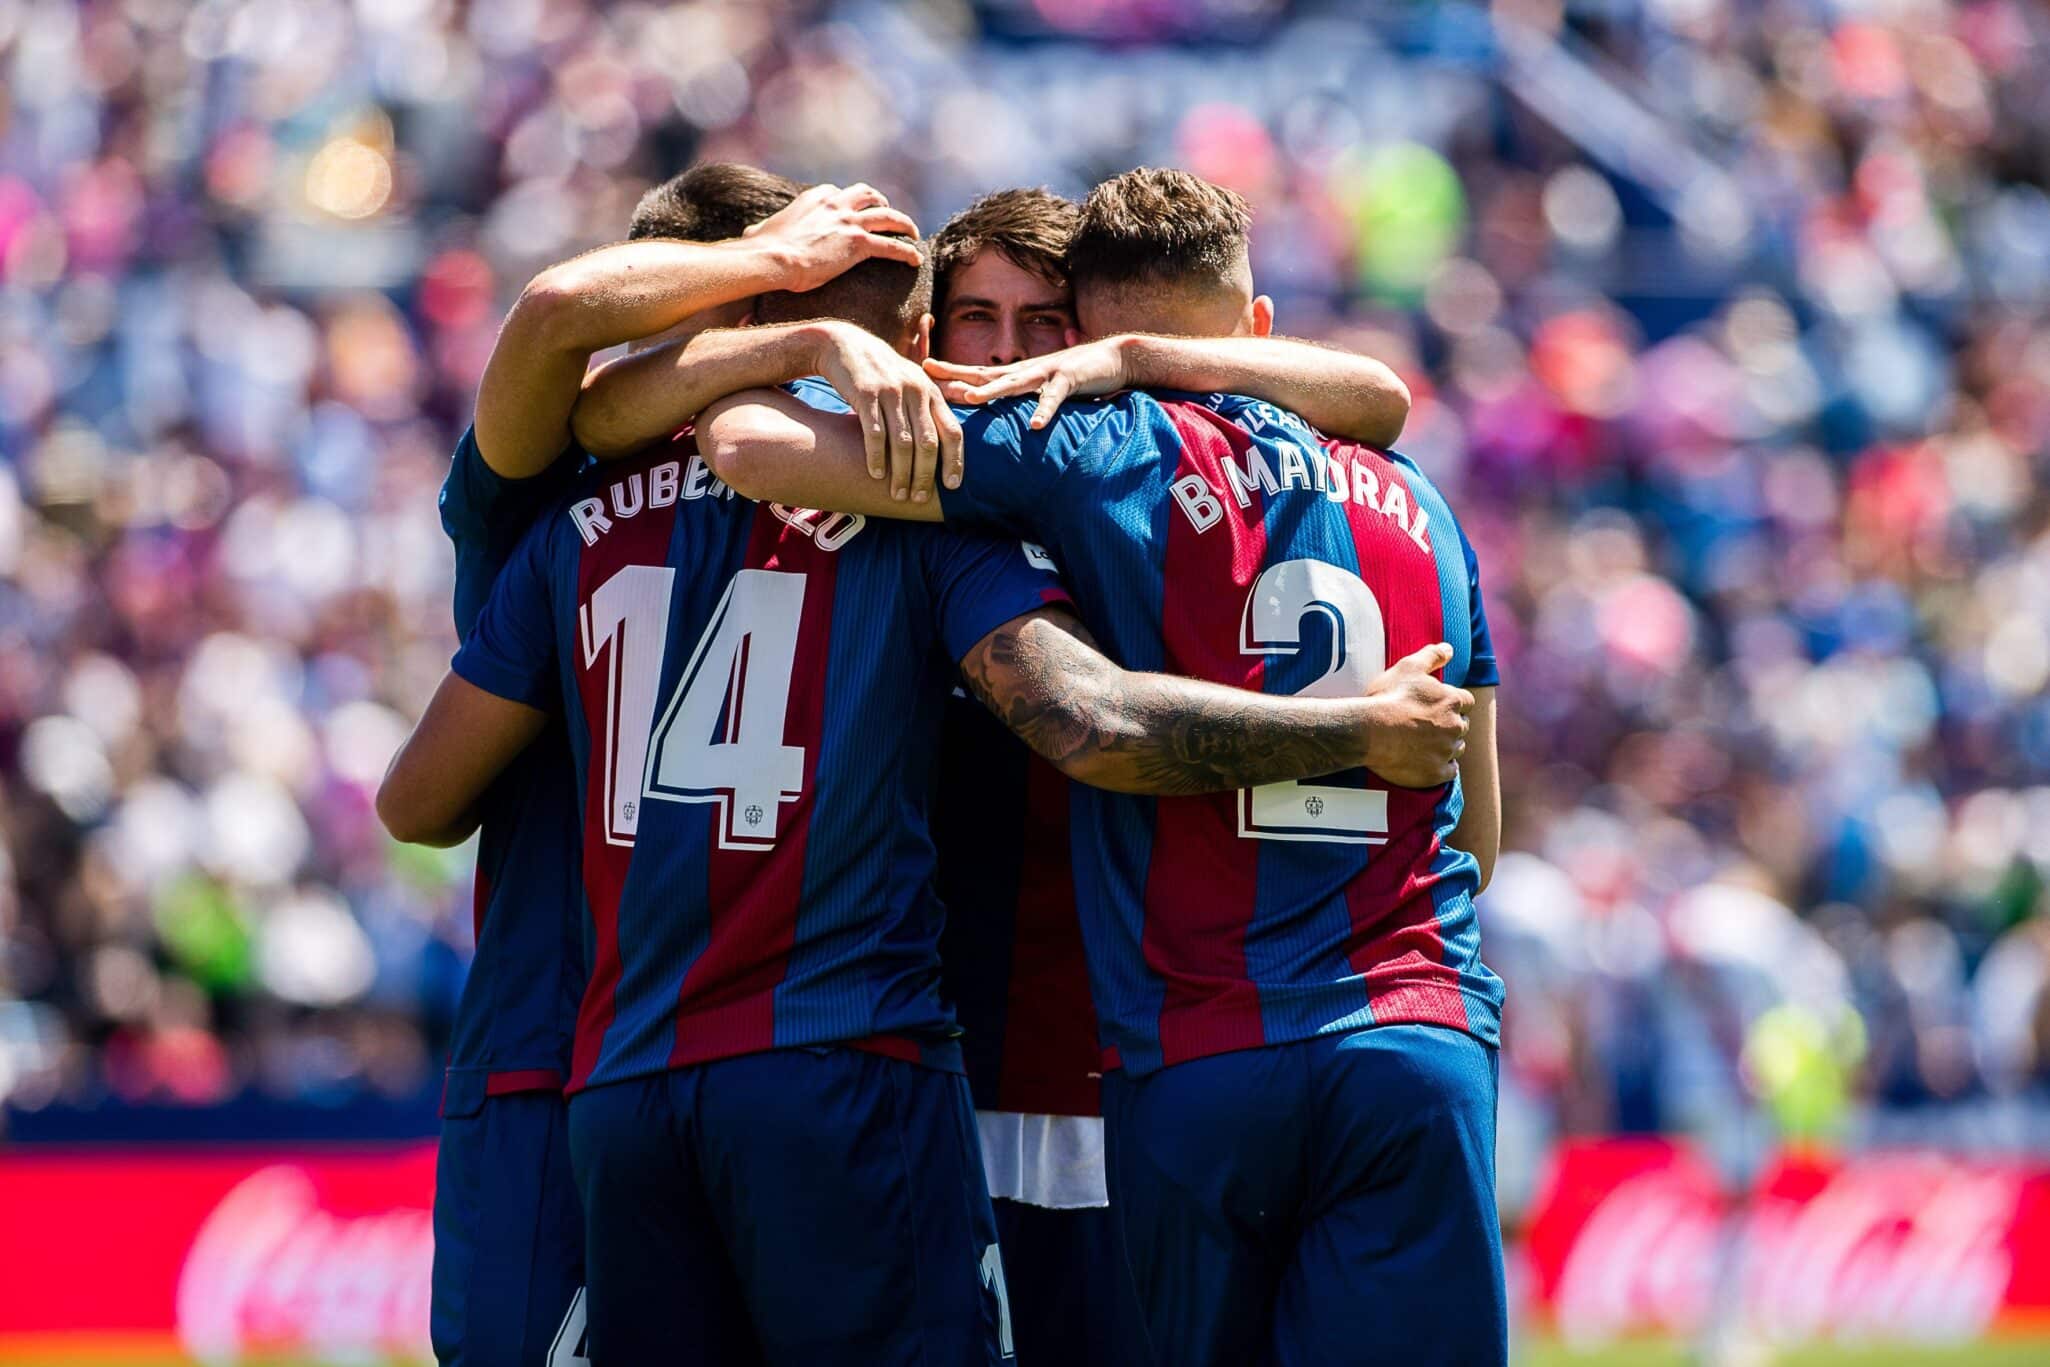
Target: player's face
998	312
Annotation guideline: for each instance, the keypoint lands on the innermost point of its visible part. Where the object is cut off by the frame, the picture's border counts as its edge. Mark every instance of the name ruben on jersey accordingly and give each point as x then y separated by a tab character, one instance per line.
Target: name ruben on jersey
1300	465
690	480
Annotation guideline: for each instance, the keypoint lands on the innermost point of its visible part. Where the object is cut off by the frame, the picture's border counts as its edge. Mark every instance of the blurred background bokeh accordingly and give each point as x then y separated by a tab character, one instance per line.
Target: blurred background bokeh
1728	323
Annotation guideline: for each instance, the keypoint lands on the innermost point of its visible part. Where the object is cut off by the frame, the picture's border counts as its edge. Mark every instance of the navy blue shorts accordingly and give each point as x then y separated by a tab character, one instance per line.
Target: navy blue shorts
1331	1201
1070	1293
508	1231
810	1206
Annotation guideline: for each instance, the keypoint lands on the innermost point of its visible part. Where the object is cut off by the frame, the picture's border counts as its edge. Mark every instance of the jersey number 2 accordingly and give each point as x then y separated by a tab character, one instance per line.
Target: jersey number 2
1282	597
720	736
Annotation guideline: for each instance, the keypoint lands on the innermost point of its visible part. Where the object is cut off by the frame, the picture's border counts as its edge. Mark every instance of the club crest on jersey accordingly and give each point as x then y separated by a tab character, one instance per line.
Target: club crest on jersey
656	487
1297	468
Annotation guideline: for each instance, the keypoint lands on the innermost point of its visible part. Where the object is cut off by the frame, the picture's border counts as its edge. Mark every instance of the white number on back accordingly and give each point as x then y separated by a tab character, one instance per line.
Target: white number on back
740	672
720	738
629	614
1282	597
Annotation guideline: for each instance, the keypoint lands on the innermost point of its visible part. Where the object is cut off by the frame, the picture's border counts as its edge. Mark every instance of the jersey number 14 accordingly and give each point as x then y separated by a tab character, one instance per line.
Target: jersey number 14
719	738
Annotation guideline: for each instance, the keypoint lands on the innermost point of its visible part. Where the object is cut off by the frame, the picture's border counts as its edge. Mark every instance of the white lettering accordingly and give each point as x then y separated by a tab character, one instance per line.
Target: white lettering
589	515
1395	504
1419	529
662	484
1256	466
1197	501
839	529
1334	480
1366	486
1295	471
1240	482
695	476
619	491
830	531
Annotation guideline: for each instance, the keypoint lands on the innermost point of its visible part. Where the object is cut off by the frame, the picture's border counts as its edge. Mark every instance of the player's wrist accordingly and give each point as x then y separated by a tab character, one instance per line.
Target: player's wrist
816	342
1138	360
771	262
1374	732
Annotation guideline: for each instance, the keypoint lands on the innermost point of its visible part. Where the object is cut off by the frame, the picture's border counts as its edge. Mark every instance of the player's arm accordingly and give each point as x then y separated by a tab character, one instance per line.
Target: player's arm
1335	391
635	289
774	448
1480	780
906	425
464	740
1044	678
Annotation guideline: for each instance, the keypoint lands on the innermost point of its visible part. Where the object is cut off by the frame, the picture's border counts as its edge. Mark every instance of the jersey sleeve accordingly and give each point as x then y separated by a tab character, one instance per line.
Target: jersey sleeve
981	582
1480	669
511	652
1009	471
816	393
485	514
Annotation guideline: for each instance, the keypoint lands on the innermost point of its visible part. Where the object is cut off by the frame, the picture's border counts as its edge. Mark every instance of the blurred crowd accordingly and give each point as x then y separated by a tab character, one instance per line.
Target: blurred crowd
1729	330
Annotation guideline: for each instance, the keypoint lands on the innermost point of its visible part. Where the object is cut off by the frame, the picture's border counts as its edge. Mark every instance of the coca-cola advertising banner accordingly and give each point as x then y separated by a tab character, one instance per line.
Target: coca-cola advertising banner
325	1256
1636	1236
216	1256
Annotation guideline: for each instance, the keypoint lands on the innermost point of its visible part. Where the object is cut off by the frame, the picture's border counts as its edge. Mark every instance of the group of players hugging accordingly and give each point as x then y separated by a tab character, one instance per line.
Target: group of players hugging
1044	933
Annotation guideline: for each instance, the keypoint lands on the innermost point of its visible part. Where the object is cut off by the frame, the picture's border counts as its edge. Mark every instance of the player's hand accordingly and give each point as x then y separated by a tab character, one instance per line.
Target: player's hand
1417	722
907	430
827	229
1092	369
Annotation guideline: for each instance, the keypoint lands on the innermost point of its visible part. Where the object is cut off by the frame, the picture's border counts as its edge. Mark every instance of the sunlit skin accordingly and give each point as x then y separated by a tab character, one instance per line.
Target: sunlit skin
997	313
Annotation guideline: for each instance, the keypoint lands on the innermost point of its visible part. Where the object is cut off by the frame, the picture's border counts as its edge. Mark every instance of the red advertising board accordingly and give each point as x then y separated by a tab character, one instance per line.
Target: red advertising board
218	1256
1636	1237
325	1255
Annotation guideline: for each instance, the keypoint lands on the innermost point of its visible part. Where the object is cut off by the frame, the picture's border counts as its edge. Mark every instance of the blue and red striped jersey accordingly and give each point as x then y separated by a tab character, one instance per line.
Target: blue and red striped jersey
752	695
1011	962
1219	537
518	1010
1011	957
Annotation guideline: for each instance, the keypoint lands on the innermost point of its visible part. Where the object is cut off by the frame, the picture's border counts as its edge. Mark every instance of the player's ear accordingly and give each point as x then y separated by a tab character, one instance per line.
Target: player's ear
1263	315
921	341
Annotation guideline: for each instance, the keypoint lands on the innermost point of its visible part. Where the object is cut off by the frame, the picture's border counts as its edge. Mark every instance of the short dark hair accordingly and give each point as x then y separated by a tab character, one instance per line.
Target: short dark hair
1031	227
711	202
1157	225
886	297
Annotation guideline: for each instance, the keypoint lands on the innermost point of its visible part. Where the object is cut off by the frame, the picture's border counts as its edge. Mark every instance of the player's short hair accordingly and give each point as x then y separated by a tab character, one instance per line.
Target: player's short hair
1030	227
711	202
1158	226
886	297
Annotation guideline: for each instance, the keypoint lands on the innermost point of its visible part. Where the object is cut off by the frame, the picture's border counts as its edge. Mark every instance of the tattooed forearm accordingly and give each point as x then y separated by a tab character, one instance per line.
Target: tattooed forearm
1150	733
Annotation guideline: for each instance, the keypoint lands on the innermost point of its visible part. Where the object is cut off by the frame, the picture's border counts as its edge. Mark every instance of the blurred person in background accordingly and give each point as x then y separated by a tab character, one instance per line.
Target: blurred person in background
1300	1037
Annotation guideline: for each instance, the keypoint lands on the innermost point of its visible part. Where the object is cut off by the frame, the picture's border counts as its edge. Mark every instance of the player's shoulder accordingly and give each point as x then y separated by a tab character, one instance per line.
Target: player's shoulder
1080	420
1259	417
1414	475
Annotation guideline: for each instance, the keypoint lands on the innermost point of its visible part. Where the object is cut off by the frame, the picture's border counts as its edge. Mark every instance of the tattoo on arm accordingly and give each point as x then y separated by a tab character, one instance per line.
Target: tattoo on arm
1148	733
